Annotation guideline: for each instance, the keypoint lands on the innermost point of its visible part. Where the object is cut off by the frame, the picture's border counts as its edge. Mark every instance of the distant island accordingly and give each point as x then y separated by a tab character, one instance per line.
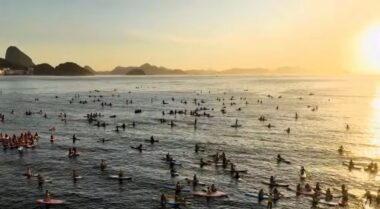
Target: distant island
17	62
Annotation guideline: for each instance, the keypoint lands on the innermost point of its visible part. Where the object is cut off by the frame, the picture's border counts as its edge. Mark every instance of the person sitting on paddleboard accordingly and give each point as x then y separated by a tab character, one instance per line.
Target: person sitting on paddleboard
75	174
29	172
168	157
308	187
213	188
123	126
341	149
237	175
75	152
328	196
103	165
317	187
47	196
120	174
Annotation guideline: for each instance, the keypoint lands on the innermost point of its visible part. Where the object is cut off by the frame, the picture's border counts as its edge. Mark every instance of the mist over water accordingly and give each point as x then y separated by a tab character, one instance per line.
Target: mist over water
312	142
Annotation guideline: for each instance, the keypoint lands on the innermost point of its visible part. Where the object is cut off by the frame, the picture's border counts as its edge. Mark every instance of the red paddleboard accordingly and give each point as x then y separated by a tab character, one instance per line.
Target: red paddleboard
50	202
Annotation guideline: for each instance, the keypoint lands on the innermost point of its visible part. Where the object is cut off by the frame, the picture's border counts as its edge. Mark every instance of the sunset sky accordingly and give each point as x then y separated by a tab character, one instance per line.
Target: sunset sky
315	35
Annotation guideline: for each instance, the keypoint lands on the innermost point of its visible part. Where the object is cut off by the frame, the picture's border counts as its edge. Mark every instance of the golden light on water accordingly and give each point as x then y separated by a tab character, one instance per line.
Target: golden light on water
370	48
374	152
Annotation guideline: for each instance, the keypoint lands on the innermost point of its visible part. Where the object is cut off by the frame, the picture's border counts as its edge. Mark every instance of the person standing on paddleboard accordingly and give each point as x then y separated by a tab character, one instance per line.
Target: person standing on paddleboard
270	201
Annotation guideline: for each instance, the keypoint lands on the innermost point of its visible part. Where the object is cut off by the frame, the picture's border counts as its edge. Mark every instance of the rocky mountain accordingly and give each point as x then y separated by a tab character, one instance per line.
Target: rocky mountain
44	69
148	70
16	57
70	68
136	72
89	69
246	71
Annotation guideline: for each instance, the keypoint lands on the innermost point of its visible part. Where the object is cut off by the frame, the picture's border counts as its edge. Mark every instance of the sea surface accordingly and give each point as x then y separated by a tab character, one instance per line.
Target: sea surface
312	142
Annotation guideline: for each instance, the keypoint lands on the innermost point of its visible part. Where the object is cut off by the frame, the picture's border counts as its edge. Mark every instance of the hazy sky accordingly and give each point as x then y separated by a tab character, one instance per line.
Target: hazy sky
323	35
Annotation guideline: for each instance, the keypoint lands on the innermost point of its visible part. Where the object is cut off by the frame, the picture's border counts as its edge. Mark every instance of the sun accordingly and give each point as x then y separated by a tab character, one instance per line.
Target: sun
370	49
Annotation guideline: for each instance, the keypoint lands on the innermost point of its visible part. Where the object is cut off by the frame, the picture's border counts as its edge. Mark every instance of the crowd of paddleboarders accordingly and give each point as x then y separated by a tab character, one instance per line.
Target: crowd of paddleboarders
200	189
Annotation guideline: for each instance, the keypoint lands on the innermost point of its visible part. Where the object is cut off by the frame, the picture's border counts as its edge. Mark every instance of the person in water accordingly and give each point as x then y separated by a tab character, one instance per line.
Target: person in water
103	165
279	158
195	180
202	163
302	171
344	195
341	149
328	196
317	187
368	197
351	164
40	180
378	197
315	200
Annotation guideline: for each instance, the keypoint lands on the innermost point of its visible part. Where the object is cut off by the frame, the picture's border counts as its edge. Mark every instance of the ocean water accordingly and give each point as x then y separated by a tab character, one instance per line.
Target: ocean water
312	142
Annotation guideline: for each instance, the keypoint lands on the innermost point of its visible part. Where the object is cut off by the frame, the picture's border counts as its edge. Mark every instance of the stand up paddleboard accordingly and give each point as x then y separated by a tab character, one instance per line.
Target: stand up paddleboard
209	195
50	202
119	178
275	184
352	168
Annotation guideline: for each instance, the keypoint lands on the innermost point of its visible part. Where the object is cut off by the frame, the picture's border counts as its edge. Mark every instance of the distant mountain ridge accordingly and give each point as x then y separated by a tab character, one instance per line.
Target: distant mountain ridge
148	69
18	61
